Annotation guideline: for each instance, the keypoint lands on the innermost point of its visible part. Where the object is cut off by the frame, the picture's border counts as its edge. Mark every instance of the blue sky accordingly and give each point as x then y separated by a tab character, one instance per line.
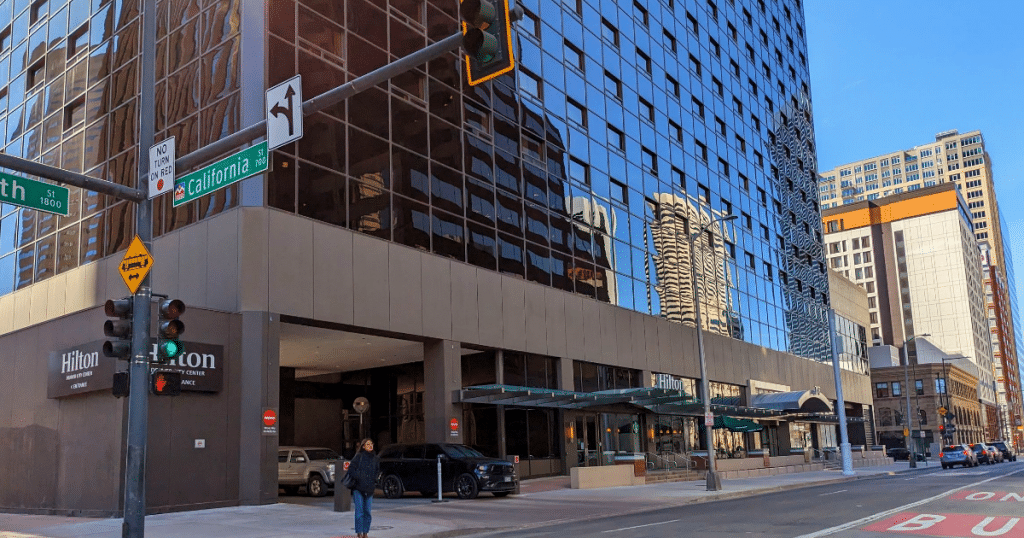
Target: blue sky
889	74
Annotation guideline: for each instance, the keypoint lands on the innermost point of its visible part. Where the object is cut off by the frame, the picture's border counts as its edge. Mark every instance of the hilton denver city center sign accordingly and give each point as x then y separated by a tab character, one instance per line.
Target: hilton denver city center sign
84	369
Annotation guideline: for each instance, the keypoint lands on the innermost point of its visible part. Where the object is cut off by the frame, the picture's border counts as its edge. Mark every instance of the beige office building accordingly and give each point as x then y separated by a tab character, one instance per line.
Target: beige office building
960	159
952	157
917	258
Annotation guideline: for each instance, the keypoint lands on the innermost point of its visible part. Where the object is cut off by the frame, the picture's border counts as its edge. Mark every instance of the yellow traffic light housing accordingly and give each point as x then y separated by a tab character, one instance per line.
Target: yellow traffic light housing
487	38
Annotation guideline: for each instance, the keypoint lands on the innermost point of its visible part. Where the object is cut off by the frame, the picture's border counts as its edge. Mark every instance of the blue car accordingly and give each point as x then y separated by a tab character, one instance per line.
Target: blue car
952	455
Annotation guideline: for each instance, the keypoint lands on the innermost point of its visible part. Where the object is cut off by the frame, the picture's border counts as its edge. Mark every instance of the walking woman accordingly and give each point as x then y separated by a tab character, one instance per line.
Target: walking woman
364	468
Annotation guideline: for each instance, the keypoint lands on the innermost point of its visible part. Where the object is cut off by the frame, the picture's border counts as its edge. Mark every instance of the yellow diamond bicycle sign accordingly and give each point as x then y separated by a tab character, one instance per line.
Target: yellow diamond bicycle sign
135	265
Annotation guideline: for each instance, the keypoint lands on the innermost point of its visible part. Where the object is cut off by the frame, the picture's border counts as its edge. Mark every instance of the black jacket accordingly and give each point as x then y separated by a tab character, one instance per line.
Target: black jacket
364	467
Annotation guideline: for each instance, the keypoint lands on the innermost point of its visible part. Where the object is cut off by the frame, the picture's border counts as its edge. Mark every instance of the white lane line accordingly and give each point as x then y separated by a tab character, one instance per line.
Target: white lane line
832	493
642	526
887	513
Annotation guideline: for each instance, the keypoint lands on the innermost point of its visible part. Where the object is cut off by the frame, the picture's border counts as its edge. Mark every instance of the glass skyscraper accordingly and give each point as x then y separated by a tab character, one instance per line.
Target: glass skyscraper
620	117
425	239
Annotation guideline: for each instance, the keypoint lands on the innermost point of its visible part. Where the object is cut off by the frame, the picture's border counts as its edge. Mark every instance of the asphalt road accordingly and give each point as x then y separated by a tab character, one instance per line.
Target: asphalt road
955	502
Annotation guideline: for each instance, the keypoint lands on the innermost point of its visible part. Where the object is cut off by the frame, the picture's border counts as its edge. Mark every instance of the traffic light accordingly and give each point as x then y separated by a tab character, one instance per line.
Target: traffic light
122	385
165	383
487	38
168	331
942	428
120	328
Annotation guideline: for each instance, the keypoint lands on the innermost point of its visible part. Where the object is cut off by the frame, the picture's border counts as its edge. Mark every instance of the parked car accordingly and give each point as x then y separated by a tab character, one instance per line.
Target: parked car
312	467
952	455
995	454
464	470
985	454
899	453
1008	454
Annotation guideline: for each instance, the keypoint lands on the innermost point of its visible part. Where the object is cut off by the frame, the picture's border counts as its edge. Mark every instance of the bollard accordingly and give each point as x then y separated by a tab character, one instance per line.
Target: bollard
342	495
439	491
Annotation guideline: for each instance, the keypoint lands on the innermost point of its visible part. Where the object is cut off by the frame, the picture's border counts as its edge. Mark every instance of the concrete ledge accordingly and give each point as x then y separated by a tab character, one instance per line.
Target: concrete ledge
604	477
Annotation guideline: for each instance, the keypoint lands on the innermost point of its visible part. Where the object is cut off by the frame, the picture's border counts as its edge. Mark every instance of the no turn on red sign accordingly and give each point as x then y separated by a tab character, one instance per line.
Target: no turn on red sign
269	422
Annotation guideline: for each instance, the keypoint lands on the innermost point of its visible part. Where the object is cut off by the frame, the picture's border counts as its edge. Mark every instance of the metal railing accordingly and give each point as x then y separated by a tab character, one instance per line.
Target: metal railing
669	461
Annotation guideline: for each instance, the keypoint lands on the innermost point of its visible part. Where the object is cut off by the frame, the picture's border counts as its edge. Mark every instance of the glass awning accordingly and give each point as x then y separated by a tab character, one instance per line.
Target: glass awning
657	400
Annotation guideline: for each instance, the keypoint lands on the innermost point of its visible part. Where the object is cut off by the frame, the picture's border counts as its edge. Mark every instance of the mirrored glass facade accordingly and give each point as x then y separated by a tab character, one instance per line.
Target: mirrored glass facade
68	97
627	126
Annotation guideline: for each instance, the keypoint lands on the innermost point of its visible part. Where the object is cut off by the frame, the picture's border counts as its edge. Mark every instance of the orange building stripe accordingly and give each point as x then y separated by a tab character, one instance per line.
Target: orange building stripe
897	210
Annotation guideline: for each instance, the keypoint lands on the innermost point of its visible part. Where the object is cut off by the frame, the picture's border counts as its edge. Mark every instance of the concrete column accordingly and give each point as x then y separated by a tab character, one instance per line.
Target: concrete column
442	376
259	374
645	379
565	374
499	376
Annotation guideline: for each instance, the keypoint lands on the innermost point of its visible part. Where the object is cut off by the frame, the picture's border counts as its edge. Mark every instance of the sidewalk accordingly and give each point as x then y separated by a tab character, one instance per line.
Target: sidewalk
546	500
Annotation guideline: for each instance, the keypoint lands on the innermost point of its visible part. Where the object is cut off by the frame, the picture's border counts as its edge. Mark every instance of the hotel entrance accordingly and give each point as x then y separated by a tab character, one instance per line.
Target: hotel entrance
595	439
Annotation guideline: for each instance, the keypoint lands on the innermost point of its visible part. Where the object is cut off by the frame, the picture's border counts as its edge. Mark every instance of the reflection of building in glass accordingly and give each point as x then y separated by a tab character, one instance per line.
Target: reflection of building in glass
850	303
596	225
792	149
675	218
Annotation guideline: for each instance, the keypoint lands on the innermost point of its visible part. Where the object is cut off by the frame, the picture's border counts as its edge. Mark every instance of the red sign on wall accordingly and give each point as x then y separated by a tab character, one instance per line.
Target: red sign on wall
269	422
454	425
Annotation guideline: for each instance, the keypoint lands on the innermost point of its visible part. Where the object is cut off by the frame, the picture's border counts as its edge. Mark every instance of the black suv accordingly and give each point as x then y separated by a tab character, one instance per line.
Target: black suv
464	470
1008	454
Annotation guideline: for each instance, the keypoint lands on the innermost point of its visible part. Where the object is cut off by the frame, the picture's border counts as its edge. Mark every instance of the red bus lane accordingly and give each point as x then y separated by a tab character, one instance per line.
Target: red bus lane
959	525
978	513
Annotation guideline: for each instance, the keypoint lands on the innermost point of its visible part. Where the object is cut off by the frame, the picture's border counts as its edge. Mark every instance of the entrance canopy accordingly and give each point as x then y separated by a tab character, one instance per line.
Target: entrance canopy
802	401
657	400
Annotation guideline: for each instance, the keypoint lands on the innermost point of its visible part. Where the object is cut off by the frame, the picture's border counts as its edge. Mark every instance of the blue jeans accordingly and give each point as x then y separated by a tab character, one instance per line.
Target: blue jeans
362	503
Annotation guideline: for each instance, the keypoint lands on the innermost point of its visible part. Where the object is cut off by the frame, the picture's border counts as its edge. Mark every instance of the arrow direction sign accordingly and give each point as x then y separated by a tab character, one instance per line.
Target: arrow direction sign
245	163
33	194
284	112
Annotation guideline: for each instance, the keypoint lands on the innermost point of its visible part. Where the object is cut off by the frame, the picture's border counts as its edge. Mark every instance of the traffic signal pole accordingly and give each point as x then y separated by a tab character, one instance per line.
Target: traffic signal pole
134	525
139	369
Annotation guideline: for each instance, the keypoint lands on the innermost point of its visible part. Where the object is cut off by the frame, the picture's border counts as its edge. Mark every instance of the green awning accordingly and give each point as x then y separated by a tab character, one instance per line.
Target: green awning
736	424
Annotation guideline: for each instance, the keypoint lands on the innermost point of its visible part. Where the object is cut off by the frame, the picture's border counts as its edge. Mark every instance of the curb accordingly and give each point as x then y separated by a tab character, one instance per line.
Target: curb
684	502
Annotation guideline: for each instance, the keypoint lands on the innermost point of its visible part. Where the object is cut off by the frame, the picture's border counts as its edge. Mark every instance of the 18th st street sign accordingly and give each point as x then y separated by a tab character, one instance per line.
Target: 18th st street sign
33	194
245	163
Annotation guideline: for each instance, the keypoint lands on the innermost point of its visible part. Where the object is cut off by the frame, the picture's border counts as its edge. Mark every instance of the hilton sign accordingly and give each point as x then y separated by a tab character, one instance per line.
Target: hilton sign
84	368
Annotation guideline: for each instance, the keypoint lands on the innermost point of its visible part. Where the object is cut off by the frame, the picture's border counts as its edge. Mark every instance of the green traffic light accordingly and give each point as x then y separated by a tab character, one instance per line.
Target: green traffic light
170	349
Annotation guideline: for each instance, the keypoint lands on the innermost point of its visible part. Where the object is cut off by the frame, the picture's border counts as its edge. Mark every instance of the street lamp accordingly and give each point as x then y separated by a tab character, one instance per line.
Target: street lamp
844	438
714	482
908	425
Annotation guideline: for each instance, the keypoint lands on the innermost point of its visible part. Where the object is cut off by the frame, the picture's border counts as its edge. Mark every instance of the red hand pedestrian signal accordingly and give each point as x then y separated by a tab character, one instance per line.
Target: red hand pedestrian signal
166	383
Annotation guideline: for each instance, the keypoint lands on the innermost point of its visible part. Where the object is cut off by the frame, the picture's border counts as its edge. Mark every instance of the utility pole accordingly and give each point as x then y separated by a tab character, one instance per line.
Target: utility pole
138	402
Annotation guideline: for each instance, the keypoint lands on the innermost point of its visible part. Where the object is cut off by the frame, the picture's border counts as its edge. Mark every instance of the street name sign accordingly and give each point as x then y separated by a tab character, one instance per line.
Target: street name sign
33	194
135	265
284	112
245	163
161	167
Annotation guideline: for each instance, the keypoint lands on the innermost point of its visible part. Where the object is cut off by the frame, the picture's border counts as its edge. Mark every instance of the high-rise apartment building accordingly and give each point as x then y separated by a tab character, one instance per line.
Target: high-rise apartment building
423	242
963	160
916	256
